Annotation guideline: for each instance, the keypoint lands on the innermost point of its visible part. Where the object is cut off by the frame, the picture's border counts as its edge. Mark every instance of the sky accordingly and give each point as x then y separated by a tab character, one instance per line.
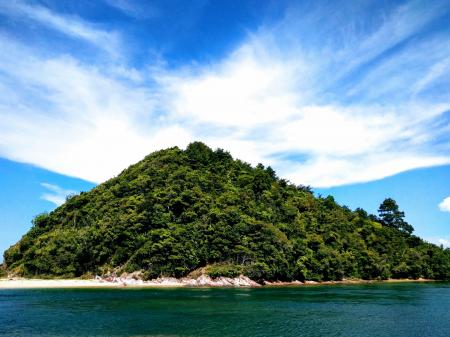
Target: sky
349	97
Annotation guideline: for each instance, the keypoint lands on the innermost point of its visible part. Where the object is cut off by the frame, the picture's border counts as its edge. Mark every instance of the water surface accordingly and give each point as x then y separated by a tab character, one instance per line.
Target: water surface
408	309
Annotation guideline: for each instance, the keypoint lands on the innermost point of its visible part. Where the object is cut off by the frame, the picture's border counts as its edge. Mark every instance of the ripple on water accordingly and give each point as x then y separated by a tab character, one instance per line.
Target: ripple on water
400	310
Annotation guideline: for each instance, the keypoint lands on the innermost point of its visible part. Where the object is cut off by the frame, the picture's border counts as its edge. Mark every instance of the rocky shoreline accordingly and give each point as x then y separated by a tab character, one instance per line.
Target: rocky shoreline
201	281
345	281
167	282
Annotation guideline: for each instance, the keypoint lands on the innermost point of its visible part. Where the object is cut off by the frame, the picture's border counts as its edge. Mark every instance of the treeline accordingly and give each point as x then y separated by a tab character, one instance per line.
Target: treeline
177	211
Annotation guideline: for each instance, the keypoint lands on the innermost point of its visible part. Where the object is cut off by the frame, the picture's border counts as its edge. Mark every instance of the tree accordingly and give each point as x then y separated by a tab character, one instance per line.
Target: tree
40	220
391	216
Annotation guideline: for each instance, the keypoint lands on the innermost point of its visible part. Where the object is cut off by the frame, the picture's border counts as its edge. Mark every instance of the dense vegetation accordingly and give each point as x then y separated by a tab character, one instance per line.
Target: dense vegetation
177	211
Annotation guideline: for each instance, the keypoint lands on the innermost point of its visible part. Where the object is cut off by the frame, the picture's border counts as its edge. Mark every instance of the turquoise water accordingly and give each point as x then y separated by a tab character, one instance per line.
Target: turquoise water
408	309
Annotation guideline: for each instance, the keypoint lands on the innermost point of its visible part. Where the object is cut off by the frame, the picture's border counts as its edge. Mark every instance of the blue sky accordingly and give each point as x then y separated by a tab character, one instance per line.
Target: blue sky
349	97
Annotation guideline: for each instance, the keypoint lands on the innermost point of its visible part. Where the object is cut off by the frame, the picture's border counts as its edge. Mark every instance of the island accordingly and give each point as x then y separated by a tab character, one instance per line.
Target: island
198	217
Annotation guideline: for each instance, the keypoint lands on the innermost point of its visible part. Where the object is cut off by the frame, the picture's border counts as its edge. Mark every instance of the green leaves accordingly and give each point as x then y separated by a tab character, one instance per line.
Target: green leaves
390	215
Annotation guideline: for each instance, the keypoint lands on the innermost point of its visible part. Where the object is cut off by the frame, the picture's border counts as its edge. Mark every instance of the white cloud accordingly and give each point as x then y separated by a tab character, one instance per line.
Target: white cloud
264	99
440	241
264	102
444	206
437	71
91	125
55	194
72	26
135	9
444	242
396	27
245	90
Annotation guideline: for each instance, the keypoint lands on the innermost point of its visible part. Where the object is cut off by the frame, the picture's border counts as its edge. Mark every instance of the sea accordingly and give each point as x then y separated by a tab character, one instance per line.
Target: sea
382	309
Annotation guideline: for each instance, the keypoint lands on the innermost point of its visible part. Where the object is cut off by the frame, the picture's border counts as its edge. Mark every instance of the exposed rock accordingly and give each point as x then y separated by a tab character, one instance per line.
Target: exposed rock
311	282
201	281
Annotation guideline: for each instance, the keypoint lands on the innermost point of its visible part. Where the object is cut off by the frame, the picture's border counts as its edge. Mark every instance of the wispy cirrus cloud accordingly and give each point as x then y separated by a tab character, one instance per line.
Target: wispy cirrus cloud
362	104
75	119
275	112
135	9
55	194
72	26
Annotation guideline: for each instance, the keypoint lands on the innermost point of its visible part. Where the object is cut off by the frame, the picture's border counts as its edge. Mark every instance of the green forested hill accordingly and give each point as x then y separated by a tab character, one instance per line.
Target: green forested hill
177	211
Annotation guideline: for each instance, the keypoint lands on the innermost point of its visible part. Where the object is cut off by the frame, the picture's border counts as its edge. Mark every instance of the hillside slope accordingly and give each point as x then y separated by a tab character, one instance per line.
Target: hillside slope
177	211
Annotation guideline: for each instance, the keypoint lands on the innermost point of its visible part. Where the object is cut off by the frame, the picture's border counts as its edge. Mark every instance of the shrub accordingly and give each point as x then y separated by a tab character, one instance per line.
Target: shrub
225	270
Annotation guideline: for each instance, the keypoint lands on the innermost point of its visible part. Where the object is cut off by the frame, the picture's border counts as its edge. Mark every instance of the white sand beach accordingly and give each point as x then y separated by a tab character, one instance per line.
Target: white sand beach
68	283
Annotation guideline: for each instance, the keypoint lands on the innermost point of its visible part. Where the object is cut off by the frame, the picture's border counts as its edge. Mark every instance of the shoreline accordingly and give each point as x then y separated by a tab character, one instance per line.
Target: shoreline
202	281
346	282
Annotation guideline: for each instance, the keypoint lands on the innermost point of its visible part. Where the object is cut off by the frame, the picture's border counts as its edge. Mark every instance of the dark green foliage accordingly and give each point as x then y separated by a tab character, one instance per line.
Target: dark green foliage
226	270
390	215
177	211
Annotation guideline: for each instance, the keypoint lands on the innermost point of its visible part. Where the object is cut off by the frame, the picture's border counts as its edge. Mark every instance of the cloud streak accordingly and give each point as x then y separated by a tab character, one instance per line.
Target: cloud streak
135	9
368	107
55	194
71	26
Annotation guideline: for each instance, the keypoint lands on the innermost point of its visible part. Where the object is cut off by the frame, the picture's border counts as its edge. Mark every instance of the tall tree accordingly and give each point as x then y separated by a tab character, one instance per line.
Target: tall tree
390	215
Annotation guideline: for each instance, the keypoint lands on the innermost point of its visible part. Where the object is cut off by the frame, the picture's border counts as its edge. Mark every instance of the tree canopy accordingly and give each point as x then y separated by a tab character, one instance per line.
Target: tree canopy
177	211
390	215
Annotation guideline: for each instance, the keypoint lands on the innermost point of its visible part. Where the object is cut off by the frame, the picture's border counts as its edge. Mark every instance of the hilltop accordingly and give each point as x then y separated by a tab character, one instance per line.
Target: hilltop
180	211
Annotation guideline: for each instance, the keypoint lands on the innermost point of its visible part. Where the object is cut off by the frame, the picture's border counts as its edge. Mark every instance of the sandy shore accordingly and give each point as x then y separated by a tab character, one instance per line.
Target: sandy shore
203	281
39	283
